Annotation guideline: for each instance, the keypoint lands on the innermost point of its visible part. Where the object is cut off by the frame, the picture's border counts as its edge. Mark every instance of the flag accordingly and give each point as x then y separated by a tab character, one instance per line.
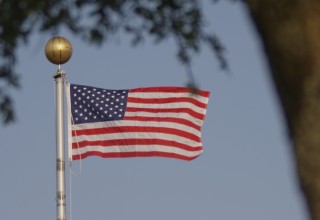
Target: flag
142	122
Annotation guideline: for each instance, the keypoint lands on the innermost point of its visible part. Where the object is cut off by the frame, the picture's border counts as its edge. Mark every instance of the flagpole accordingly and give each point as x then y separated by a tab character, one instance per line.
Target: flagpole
58	51
60	158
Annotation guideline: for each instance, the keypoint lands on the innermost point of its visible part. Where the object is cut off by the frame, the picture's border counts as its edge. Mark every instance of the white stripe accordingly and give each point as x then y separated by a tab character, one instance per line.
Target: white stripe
137	123
167	105
157	95
137	148
136	135
185	116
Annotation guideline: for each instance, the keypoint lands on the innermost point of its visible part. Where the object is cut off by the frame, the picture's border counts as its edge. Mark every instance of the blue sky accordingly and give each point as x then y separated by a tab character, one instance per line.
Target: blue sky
246	170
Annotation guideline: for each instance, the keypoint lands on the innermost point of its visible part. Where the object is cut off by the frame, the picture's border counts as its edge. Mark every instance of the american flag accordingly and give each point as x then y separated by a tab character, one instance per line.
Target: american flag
142	122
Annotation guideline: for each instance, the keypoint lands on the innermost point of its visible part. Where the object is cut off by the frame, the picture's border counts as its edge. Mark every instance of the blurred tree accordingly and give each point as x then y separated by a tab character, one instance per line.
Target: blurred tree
289	30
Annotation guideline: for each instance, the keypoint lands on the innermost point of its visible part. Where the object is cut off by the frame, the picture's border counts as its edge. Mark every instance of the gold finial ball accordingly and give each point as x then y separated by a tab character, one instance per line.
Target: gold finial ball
58	50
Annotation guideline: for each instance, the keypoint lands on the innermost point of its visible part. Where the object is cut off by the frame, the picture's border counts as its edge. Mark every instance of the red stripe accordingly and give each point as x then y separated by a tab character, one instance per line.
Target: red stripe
132	154
173	90
167	110
167	100
110	130
159	119
132	142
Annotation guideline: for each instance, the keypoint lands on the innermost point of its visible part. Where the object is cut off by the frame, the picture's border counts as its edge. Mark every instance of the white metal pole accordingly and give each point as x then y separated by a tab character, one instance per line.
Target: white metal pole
60	158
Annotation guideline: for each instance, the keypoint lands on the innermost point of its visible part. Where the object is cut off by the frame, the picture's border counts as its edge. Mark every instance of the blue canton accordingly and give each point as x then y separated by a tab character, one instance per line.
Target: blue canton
89	104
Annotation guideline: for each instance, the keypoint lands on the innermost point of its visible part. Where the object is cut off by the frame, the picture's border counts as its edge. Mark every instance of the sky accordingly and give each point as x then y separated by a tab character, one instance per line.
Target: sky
245	172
